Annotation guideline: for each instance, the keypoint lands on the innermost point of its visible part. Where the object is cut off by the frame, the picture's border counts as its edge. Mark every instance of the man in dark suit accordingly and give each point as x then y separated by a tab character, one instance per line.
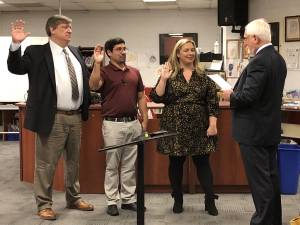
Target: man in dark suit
58	100
256	119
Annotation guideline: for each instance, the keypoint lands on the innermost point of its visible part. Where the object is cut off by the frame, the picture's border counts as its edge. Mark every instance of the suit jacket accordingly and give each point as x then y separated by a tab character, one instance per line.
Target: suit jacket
41	103
256	100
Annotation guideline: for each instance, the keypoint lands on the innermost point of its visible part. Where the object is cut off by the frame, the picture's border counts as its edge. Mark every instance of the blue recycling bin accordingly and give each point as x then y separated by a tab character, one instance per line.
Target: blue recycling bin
288	163
12	137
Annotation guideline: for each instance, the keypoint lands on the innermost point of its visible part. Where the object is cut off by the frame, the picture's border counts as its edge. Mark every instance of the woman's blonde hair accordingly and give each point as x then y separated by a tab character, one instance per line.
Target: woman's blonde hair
174	61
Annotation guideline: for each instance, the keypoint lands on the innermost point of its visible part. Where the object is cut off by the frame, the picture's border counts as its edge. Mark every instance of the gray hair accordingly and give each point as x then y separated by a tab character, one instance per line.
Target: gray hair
259	28
56	20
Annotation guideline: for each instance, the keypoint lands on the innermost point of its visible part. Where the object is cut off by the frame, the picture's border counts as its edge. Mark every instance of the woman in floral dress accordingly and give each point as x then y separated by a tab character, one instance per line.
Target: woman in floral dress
191	109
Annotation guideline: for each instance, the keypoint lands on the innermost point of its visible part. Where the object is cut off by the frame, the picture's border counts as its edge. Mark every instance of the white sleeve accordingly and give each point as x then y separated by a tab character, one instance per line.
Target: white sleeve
14	46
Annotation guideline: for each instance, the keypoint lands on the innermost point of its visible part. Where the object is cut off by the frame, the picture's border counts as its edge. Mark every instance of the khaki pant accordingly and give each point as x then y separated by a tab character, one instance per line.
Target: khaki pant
64	138
121	160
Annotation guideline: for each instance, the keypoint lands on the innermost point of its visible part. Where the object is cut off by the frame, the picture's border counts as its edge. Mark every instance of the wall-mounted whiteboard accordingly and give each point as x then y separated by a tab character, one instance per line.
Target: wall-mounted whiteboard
13	88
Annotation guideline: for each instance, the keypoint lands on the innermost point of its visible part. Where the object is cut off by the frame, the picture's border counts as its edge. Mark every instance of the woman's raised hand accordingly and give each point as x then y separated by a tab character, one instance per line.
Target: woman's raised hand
165	71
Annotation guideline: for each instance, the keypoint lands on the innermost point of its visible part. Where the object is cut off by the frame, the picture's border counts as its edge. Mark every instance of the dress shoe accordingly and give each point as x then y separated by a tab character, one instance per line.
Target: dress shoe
47	214
210	206
178	202
81	205
177	207
112	210
130	206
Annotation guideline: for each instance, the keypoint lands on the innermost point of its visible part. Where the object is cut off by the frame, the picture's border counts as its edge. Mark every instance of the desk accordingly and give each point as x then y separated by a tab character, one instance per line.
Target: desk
7	117
226	162
290	130
291	123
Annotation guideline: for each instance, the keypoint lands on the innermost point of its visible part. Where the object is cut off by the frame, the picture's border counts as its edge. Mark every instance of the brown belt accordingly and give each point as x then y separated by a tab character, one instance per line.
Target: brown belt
69	112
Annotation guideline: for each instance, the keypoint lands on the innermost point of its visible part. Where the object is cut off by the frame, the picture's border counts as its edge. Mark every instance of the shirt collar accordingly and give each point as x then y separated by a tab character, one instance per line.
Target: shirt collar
116	68
55	48
263	46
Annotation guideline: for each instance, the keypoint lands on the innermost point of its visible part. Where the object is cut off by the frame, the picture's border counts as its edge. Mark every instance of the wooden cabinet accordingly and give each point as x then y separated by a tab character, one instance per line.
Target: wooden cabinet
291	118
92	162
156	165
27	155
226	162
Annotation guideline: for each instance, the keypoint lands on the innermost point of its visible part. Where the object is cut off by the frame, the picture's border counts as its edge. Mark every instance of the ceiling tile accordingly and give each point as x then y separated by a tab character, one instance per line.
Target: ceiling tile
108	4
125	1
99	6
194	3
130	6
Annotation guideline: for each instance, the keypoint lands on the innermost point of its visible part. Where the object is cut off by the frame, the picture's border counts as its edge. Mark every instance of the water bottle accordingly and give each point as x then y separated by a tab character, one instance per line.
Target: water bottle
216	47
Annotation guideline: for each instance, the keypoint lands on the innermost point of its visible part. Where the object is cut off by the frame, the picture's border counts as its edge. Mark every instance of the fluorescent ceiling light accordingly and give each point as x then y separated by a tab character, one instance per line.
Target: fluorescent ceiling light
159	0
176	34
1	2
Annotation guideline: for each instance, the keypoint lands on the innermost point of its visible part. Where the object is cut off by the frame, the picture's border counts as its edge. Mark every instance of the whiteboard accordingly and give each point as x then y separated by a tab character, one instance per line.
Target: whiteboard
13	88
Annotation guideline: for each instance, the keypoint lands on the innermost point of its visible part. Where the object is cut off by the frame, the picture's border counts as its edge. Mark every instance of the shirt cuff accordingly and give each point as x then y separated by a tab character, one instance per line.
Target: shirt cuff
14	46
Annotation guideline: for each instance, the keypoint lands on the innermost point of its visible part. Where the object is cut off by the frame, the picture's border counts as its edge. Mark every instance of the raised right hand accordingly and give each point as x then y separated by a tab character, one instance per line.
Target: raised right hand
165	71
18	33
98	54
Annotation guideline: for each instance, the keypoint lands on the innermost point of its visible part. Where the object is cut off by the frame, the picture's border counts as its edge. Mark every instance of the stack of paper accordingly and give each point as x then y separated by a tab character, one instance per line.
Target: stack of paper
224	85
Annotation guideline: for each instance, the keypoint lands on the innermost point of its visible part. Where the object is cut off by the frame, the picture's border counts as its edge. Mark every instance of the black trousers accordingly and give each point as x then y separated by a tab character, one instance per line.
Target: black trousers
262	173
204	173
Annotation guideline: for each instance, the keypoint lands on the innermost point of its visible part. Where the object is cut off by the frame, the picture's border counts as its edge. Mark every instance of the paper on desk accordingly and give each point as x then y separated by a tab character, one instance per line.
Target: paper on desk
216	65
224	85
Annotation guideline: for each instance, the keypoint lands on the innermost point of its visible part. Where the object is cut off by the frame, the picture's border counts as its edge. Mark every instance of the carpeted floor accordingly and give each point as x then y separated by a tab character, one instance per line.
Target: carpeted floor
17	205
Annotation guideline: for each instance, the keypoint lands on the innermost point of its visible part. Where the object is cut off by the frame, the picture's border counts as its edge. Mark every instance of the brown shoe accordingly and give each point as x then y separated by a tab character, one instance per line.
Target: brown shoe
47	214
81	205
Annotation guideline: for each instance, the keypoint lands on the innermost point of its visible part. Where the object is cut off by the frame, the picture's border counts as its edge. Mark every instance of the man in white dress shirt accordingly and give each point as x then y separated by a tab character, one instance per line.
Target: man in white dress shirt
58	100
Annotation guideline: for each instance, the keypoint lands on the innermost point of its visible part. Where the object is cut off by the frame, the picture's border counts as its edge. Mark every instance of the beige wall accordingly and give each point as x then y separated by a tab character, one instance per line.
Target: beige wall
139	28
275	11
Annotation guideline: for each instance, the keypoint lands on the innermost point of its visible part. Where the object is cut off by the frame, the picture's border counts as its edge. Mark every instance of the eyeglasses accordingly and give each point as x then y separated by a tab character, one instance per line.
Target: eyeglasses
120	49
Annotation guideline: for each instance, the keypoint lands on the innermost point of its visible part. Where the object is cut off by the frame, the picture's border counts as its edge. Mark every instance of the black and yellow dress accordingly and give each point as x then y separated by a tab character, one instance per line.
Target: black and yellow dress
188	106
